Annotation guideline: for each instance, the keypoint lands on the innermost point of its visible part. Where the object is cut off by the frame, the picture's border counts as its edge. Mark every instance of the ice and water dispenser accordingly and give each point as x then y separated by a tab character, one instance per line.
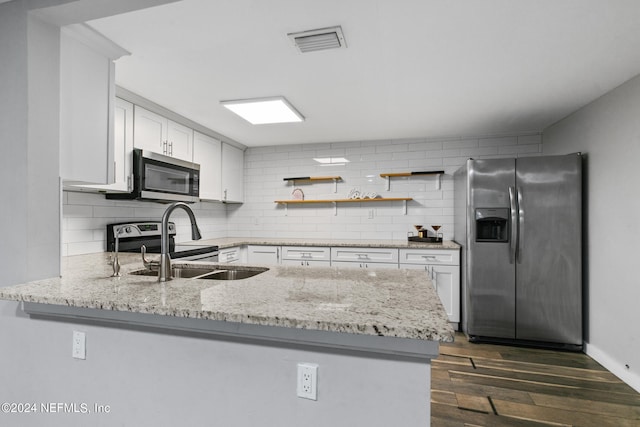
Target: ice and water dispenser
492	225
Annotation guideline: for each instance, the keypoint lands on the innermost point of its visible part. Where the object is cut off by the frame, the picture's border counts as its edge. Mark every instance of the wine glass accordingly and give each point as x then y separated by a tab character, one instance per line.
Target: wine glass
436	228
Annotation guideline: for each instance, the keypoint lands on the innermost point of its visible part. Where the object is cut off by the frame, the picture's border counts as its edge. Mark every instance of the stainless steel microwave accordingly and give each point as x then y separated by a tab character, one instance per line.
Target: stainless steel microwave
157	177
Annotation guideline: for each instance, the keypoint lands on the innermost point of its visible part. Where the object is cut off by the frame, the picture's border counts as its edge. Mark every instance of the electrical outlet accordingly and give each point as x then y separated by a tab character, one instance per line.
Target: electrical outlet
79	350
371	213
308	381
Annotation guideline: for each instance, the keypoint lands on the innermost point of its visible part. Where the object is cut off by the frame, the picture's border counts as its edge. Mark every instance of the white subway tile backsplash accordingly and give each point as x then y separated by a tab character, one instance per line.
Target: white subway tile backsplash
85	248
498	141
530	139
466	143
113	212
520	149
85	215
77	211
368	160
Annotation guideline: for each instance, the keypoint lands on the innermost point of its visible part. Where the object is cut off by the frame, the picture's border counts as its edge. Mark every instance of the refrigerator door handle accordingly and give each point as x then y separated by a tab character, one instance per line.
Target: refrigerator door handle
513	238
520	225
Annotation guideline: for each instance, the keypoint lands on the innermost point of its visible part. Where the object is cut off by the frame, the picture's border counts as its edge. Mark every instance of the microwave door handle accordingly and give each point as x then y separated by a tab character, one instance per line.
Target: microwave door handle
513	238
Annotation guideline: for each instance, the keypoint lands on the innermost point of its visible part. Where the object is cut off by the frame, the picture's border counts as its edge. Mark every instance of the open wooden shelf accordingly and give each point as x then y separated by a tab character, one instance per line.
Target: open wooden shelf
411	173
388	176
336	201
379	199
335	180
314	178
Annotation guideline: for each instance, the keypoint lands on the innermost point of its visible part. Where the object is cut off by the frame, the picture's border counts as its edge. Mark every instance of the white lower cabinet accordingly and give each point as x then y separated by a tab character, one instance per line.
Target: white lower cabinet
443	268
230	255
364	255
373	265
258	254
306	256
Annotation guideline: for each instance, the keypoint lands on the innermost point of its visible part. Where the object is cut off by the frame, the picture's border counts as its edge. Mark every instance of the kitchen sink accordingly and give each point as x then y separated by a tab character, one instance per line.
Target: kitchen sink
207	273
178	272
235	274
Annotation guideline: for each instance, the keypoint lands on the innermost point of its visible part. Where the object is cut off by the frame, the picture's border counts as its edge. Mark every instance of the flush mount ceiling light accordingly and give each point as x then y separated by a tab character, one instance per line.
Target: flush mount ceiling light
260	111
320	39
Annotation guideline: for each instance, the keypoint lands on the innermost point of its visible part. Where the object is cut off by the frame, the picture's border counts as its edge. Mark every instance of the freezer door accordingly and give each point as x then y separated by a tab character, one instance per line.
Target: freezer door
549	252
490	279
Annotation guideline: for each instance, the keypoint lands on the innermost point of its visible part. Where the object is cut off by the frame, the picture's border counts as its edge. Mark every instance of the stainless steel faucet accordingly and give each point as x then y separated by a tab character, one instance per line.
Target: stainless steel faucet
164	273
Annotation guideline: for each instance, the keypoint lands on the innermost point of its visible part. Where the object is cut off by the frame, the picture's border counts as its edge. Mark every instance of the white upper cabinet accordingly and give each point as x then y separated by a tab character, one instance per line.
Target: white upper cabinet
207	152
232	174
123	152
150	131
180	141
156	133
87	97
123	138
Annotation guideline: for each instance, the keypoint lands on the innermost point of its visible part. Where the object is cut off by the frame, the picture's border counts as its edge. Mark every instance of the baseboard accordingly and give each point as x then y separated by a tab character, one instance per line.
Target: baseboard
616	368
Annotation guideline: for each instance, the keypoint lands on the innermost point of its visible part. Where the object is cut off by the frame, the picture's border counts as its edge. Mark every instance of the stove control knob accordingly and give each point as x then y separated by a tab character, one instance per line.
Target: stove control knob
127	230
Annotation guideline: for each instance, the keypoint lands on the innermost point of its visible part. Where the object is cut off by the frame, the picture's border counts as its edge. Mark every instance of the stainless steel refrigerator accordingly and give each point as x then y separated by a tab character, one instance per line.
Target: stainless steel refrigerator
519	222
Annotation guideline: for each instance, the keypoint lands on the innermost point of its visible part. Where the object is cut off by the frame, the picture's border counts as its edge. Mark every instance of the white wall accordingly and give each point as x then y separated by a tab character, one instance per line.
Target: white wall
85	216
265	168
29	134
13	136
608	132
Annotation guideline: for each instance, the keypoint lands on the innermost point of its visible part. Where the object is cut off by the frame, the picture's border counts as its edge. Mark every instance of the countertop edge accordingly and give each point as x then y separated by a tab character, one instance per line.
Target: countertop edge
388	345
228	242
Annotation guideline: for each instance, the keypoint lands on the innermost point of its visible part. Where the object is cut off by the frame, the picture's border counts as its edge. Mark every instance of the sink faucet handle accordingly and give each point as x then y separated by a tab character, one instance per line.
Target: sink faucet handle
147	264
116	262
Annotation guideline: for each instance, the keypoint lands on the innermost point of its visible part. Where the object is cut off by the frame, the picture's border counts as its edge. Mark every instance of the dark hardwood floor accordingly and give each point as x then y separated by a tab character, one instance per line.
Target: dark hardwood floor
495	385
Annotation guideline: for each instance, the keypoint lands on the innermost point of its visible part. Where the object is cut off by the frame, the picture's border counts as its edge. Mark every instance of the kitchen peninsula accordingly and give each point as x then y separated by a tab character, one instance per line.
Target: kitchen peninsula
371	332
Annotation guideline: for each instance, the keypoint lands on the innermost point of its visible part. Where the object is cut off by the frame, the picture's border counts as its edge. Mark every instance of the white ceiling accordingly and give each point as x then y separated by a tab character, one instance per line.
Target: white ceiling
412	68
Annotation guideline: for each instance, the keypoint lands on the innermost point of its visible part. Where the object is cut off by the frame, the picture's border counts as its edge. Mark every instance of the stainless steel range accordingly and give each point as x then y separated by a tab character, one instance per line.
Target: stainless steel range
132	235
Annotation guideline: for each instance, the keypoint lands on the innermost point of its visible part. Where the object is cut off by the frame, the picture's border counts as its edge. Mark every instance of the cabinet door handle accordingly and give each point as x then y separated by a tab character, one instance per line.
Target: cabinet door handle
164	147
171	148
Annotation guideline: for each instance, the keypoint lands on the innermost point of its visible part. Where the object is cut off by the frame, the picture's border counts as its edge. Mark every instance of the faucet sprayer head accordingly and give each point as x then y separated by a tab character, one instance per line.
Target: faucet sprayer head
195	232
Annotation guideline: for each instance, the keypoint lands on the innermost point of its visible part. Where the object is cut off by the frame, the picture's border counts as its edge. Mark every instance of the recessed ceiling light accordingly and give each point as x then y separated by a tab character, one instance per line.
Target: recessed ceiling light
260	111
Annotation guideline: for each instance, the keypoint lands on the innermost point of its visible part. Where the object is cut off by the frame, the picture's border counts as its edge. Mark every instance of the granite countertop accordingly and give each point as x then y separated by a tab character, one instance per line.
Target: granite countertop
227	242
394	303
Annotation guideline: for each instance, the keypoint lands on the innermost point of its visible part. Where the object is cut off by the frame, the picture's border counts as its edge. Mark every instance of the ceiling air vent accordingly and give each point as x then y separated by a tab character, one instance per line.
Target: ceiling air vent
320	39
